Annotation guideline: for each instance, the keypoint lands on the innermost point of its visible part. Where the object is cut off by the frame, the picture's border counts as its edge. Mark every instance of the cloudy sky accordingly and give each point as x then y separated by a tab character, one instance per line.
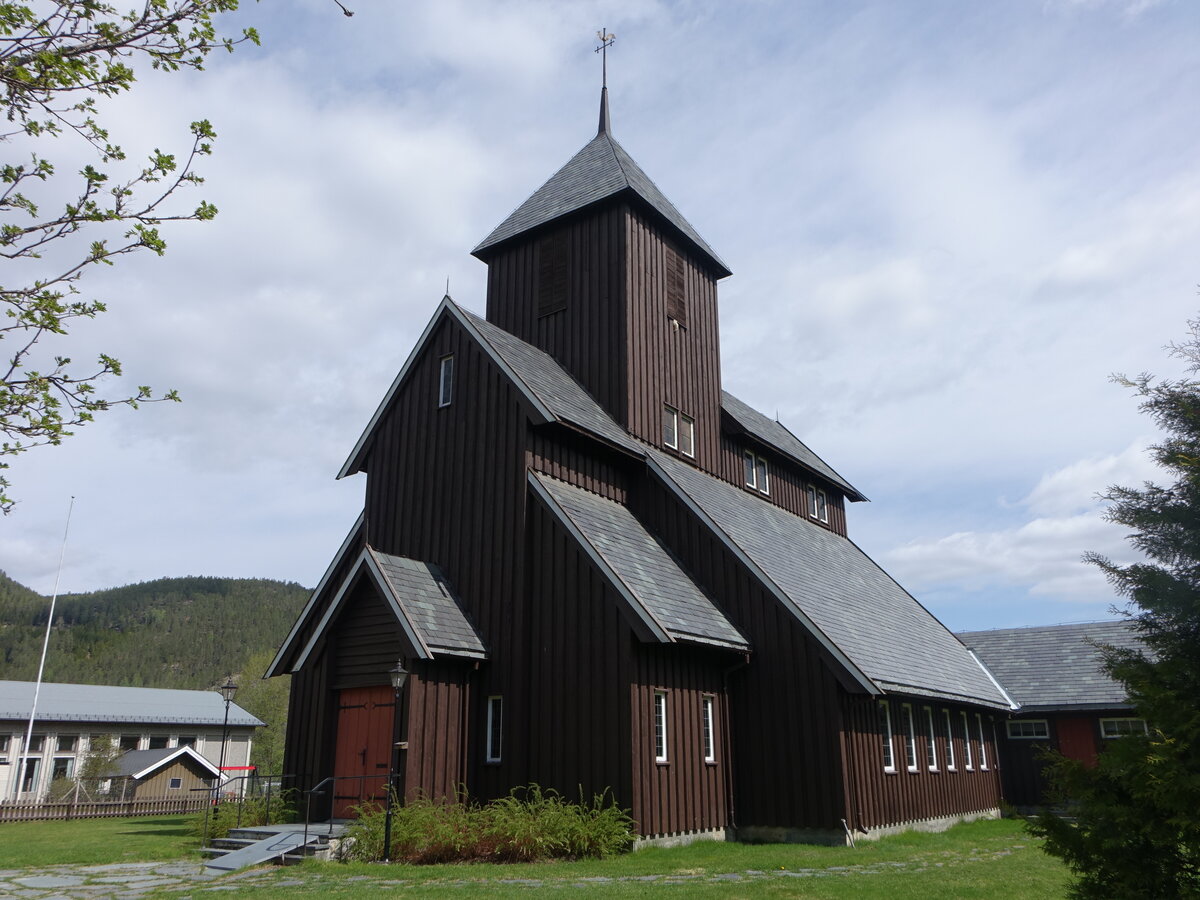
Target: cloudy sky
948	224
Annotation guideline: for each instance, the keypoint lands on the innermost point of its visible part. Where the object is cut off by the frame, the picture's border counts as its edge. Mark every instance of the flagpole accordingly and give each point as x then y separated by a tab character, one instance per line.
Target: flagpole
37	687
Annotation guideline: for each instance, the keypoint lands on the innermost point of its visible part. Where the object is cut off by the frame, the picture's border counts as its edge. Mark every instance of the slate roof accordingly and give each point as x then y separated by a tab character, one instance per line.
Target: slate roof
105	703
560	393
642	567
431	605
602	169
136	763
855	608
1054	667
775	434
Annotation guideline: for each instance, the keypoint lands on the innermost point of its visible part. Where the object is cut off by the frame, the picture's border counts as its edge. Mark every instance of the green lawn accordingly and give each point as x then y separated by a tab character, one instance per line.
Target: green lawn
95	841
987	859
990	859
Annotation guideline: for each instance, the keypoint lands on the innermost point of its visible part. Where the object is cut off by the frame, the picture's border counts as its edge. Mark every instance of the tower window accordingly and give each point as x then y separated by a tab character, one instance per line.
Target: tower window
679	431
446	381
552	273
676	279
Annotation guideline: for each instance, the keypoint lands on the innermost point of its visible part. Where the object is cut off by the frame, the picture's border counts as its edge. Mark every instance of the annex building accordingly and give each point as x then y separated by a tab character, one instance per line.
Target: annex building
604	572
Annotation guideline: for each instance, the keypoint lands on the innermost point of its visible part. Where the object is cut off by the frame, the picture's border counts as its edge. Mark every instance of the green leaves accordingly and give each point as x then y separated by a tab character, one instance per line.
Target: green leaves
55	60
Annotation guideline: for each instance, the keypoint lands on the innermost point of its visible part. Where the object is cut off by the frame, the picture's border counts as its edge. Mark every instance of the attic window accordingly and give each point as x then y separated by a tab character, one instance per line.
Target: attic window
679	431
175	784
756	472
818	507
552	273
676	280
446	381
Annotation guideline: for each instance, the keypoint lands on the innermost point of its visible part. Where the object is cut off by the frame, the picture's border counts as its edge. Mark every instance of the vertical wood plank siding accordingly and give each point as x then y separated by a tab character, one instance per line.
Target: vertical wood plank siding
587	335
787	694
575	732
680	366
684	794
312	719
881	798
436	728
365	641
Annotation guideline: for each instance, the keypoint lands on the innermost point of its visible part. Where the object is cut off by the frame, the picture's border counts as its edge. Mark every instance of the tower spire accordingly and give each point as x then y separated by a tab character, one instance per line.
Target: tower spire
606	40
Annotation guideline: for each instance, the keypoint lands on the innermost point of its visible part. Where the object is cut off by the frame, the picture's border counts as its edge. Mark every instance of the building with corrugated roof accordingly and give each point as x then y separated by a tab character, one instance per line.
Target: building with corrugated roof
71	718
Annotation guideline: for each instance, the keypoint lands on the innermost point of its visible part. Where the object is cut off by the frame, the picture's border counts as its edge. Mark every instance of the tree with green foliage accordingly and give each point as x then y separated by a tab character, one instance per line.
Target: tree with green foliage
268	700
56	61
1136	828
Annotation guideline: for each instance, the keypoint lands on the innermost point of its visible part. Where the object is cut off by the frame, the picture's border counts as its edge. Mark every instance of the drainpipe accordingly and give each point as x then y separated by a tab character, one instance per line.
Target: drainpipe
728	743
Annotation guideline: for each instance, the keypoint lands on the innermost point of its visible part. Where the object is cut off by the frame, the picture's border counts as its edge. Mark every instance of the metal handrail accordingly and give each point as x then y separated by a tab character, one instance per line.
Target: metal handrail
317	791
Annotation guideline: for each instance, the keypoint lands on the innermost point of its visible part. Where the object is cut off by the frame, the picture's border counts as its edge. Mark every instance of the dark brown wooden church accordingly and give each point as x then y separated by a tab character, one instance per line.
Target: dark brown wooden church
603	571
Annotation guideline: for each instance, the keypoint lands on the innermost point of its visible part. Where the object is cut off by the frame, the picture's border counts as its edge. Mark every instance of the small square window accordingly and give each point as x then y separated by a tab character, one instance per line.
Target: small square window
175	784
495	728
446	381
68	743
158	741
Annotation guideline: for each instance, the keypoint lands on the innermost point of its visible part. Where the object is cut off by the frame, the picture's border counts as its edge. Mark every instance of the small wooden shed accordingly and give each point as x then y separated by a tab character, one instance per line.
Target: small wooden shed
162	774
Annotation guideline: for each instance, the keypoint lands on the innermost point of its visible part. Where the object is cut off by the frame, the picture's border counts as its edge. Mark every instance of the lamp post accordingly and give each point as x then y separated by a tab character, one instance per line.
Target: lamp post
228	689
398	676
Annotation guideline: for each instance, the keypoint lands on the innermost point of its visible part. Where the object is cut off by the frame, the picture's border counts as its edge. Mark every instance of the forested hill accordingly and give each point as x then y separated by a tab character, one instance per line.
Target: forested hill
169	633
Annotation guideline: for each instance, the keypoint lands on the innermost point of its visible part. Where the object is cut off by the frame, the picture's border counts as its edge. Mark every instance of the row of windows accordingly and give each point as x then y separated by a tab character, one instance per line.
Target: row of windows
1039	729
932	729
71	743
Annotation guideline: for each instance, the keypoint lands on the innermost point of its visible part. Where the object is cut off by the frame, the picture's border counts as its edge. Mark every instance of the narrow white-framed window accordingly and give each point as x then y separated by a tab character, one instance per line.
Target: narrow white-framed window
748	460
446	381
818	504
910	738
660	726
707	724
670	427
687	435
1116	728
982	742
968	759
950	764
175	784
885	733
931	744
495	727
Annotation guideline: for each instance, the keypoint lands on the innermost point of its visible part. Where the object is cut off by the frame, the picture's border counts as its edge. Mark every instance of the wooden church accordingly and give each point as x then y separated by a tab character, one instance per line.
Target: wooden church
604	572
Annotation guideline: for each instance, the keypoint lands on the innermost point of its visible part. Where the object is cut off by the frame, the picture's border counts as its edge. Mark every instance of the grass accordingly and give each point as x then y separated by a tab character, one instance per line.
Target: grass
95	841
986	859
990	859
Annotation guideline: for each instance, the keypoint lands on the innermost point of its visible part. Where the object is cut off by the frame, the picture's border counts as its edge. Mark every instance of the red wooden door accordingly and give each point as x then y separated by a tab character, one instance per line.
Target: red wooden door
1077	738
364	743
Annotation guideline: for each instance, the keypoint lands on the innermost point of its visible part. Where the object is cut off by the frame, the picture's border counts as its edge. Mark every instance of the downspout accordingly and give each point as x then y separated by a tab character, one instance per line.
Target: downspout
731	814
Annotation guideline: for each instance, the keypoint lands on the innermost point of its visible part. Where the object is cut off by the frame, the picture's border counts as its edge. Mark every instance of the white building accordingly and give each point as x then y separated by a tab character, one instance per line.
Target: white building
71	717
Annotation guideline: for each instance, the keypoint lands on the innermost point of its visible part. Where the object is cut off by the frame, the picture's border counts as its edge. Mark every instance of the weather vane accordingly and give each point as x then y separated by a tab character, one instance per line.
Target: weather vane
606	40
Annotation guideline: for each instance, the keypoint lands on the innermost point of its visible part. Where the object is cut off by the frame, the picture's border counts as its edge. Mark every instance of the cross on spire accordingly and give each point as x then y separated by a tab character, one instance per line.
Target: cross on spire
606	40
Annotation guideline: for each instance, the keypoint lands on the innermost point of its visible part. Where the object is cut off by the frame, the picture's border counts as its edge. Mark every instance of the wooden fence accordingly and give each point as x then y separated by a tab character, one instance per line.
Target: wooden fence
29	812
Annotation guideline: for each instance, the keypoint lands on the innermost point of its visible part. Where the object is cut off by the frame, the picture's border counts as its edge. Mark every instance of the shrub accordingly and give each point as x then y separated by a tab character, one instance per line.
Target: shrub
529	824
